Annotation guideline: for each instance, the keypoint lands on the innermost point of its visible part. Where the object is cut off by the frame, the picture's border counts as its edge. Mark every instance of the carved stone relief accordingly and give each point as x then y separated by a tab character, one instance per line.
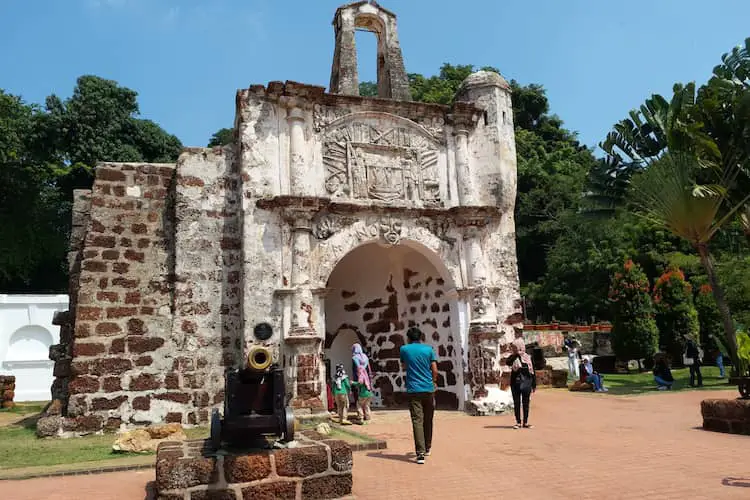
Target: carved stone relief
382	160
390	231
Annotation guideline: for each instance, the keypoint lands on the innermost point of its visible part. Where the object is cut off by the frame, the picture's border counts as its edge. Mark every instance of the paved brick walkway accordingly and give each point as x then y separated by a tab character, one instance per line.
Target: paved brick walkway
583	446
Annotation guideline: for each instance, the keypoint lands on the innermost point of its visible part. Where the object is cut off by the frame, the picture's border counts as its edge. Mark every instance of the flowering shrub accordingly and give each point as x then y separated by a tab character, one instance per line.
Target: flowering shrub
675	313
634	332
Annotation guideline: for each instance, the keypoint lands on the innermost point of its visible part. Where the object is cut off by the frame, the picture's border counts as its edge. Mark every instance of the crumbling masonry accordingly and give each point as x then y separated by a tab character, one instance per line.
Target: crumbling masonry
173	264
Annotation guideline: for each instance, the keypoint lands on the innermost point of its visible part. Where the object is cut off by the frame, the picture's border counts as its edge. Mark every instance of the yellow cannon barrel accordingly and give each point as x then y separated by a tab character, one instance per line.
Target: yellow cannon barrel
259	358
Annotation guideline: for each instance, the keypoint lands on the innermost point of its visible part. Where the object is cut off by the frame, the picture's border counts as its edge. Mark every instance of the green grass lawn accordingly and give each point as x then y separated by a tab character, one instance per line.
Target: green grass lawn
20	448
643	383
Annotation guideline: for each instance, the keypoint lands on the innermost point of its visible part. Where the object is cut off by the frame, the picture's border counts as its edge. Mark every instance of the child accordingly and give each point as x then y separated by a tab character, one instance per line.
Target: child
341	389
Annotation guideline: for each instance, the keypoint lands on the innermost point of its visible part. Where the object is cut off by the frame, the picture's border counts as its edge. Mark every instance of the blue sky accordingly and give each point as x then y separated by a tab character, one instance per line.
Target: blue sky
186	58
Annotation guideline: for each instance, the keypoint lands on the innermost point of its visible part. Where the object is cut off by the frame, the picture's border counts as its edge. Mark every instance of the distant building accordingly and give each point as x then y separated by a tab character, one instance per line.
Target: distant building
26	334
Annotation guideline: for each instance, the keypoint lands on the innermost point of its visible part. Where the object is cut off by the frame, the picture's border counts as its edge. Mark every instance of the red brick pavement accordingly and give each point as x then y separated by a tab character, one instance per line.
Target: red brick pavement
583	446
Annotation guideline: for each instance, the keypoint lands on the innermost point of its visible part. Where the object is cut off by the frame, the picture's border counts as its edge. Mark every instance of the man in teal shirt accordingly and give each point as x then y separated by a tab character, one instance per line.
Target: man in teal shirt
420	364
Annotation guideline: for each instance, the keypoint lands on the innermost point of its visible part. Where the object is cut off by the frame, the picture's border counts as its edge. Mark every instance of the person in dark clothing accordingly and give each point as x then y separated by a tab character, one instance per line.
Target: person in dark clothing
693	360
662	374
522	381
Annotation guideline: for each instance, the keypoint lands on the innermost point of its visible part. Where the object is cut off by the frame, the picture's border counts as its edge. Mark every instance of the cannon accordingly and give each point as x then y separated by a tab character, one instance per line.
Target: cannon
254	401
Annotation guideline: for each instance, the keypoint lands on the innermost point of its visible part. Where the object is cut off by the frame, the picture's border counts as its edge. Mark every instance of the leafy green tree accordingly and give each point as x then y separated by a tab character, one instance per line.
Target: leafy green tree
634	331
368	89
46	153
709	317
222	137
734	275
668	194
676	316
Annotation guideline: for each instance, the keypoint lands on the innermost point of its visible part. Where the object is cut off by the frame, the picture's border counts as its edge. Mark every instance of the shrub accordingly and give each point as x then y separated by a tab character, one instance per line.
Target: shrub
634	332
676	315
709	317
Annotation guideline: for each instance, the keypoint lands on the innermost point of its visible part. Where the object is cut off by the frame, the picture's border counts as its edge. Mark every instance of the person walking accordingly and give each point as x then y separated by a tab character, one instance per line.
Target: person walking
572	347
692	358
721	353
363	382
420	364
341	389
522	381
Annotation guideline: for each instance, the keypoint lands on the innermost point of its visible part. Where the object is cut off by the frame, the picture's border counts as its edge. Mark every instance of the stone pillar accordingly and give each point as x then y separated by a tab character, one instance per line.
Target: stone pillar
463	174
485	346
302	342
297	170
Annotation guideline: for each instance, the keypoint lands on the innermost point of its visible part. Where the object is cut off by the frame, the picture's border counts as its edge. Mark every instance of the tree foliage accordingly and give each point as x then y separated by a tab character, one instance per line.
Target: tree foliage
45	153
676	316
634	331
222	137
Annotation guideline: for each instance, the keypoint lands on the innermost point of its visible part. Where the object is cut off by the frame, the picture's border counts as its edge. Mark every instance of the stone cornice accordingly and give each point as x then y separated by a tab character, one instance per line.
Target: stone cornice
301	206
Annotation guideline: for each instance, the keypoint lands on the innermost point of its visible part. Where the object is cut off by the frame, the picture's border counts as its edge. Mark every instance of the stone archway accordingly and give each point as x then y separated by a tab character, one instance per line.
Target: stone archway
375	292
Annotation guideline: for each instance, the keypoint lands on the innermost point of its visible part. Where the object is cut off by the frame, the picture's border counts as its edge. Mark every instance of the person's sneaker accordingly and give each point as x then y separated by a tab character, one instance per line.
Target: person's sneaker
428	452
420	459
528	426
517	426
662	387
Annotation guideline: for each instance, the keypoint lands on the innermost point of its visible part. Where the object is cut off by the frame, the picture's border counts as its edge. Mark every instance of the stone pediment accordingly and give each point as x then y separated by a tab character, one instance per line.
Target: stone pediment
381	157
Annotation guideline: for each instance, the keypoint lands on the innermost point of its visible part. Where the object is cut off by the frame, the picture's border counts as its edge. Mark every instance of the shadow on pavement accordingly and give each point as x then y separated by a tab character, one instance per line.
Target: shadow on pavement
392	456
499	427
150	491
736	482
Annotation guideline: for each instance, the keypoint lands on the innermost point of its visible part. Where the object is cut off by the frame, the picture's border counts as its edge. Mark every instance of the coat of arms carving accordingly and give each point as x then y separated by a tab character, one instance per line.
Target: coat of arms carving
382	160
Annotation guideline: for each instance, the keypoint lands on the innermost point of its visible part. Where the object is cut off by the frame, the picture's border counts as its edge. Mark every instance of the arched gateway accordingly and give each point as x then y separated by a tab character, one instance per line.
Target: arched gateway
332	216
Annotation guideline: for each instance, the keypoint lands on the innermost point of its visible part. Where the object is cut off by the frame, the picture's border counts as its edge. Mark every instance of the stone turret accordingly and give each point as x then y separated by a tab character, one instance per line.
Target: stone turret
368	16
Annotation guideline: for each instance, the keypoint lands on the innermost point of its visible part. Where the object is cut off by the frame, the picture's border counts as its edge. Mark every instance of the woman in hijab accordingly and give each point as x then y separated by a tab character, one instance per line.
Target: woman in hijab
522	381
341	389
362	378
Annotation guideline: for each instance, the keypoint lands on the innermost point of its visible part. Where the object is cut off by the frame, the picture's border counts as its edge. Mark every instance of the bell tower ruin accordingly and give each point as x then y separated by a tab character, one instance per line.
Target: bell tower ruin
333	217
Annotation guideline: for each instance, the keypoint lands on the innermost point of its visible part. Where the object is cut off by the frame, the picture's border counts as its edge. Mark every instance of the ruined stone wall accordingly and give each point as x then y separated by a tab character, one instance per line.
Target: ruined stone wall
207	329
379	292
121	348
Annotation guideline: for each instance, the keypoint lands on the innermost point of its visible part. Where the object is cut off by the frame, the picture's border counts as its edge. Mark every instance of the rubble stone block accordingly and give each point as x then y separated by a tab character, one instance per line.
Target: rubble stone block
327	487
341	455
301	462
280	490
181	473
248	468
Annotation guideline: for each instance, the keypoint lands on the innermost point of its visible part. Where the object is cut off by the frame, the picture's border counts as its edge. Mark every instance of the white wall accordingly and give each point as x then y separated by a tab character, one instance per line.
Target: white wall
26	334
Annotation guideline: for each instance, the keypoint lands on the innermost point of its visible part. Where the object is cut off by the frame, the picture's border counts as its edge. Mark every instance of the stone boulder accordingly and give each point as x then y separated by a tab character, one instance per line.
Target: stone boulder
148	440
579	386
48	426
323	429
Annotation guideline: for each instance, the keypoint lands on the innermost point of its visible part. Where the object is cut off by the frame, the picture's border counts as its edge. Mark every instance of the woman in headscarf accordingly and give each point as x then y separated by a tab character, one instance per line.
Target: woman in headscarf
362	379
522	381
341	389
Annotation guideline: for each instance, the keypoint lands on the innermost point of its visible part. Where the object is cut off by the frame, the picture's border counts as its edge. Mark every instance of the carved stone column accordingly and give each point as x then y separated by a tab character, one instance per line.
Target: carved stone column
297	170
463	173
302	321
485	349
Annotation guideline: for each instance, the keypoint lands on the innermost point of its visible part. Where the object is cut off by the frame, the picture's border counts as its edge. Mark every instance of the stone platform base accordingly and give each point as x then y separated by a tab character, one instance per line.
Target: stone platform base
309	470
726	415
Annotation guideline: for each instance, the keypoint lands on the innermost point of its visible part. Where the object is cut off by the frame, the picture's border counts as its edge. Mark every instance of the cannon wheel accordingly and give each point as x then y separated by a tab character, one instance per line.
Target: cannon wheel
288	424
215	429
744	387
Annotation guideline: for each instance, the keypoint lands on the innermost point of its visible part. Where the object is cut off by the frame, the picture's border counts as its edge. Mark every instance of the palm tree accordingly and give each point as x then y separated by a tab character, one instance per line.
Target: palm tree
668	194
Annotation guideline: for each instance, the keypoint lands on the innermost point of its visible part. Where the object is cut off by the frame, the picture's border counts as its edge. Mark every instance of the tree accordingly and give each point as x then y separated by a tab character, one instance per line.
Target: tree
709	317
368	89
676	316
46	153
222	137
667	193
634	331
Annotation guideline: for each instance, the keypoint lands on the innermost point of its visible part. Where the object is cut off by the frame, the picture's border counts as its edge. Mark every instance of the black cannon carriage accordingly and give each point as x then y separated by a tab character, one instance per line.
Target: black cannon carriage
254	401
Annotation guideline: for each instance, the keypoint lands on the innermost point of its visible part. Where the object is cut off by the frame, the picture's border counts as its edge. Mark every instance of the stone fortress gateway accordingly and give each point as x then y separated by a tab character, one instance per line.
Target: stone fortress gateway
334	217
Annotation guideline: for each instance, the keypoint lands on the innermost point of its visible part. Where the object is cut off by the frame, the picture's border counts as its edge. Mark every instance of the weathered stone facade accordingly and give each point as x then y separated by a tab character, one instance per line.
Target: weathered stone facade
177	263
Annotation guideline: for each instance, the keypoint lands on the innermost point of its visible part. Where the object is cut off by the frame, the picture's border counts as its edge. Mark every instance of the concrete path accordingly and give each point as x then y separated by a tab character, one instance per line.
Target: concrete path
583	446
